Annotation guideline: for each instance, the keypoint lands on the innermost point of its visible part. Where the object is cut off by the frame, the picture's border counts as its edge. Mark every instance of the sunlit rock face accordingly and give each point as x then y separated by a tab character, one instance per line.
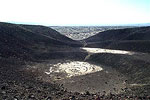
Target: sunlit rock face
74	68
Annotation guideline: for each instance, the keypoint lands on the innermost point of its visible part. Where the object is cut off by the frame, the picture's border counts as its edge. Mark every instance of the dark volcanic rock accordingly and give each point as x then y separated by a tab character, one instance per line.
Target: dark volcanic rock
131	39
24	46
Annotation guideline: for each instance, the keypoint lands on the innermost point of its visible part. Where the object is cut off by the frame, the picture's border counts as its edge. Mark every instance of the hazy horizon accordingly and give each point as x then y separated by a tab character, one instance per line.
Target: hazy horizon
28	23
76	12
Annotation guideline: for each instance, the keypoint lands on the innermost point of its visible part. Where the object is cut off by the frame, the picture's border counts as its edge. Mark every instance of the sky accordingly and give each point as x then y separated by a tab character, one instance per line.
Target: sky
75	12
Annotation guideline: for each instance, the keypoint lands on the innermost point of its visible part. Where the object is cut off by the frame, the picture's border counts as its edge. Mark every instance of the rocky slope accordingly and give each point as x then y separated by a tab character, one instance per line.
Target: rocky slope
22	45
133	39
134	66
25	40
38	63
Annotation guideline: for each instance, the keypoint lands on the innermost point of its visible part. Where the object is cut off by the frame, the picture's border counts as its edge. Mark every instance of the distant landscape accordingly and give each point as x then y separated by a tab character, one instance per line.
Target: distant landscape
83	32
74	62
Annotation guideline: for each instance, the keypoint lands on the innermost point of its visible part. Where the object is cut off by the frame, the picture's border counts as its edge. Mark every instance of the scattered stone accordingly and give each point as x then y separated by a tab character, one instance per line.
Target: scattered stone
3	88
30	87
72	98
39	91
31	96
49	98
76	93
5	97
98	98
114	89
3	92
16	98
87	93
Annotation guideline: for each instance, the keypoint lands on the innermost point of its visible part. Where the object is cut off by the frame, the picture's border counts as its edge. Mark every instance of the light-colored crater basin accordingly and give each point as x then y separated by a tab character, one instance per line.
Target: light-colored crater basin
74	68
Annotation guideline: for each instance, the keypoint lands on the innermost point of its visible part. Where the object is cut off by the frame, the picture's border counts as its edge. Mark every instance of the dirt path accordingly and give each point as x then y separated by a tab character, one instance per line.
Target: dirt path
135	55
